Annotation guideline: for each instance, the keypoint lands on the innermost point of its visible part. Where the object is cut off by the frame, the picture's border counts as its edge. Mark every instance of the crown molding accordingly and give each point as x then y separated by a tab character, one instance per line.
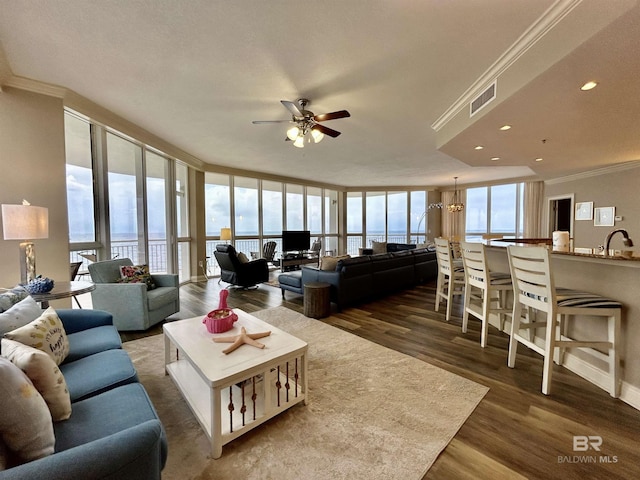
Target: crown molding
35	86
619	167
549	19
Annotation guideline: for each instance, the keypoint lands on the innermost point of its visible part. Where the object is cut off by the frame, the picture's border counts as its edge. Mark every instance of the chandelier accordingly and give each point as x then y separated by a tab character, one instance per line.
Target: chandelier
456	205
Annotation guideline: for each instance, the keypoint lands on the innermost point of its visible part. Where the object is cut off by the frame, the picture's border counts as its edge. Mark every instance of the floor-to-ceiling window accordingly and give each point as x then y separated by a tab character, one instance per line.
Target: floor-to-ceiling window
119	197
495	210
375	217
397	211
394	217
157	171
217	213
80	190
125	165
314	213
295	207
246	215
418	216
272	213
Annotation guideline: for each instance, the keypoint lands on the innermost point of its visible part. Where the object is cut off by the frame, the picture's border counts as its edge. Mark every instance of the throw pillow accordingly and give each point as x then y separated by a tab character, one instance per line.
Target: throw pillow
137	274
242	257
43	373
23	312
329	264
9	297
25	422
379	247
45	333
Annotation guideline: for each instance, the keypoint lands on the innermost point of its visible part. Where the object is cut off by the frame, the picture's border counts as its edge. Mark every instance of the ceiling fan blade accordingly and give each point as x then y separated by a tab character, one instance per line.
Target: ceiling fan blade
326	130
292	107
257	122
331	116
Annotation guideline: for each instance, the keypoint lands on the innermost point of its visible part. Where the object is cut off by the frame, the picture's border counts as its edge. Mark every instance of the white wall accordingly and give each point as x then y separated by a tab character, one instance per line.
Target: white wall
614	187
32	166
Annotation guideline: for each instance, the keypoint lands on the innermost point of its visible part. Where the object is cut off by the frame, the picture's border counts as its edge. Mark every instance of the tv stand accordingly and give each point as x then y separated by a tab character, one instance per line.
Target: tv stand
293	260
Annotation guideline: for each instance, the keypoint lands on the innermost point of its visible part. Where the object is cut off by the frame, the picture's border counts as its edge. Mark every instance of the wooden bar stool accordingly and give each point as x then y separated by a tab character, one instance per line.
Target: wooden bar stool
493	289
450	280
534	288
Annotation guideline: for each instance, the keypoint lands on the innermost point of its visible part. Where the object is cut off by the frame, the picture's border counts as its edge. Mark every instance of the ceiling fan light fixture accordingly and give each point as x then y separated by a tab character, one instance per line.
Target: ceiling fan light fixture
293	133
299	141
317	135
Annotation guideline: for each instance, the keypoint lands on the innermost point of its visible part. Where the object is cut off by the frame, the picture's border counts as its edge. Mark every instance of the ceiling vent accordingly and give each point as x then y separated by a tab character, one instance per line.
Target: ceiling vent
482	100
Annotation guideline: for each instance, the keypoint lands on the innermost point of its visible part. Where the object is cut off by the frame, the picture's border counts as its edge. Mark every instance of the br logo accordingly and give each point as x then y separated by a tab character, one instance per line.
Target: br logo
582	443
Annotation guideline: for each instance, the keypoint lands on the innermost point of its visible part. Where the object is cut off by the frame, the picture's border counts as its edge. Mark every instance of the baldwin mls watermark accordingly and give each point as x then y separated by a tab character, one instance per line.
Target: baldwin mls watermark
590	446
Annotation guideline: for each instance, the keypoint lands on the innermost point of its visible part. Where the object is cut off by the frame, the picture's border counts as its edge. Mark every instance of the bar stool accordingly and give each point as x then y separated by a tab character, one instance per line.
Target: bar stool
534	288
450	280
493	289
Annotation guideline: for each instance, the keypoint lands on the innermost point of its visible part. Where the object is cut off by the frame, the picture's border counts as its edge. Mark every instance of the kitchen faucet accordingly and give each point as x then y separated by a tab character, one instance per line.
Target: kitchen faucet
627	241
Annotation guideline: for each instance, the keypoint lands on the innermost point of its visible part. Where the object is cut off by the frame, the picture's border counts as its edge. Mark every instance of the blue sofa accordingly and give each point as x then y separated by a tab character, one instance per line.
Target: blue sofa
114	431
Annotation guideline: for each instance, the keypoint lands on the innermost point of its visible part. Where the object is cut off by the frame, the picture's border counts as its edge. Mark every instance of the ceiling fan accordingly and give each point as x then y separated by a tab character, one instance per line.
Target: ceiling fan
307	126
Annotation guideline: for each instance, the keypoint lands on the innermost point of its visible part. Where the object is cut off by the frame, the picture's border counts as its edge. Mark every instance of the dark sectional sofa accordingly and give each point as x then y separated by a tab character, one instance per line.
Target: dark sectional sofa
368	277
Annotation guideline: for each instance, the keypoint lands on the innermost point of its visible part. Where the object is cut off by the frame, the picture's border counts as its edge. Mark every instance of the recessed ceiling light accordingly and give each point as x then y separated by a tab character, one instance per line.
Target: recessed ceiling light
505	127
588	86
495	158
479	147
538	159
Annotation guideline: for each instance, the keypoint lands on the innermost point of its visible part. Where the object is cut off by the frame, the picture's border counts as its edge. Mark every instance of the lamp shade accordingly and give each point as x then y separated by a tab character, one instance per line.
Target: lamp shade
25	222
225	233
293	133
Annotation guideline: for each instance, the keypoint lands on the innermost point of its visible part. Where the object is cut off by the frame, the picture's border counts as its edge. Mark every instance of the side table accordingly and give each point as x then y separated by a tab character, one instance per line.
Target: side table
63	290
317	299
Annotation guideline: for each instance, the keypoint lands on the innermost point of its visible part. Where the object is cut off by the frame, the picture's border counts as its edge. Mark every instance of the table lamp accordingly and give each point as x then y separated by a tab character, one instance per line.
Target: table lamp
225	234
25	223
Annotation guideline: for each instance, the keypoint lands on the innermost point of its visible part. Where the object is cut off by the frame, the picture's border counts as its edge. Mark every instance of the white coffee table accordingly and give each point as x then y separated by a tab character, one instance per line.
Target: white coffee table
234	393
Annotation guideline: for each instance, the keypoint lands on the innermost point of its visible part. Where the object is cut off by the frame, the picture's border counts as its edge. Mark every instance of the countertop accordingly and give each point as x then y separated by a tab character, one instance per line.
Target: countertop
628	255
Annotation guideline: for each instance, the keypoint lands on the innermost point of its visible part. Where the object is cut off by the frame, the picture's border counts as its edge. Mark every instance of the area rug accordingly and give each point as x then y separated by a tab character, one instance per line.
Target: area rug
372	413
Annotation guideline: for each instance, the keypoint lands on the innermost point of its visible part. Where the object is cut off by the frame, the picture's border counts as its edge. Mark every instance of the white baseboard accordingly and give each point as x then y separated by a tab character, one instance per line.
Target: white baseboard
198	278
629	394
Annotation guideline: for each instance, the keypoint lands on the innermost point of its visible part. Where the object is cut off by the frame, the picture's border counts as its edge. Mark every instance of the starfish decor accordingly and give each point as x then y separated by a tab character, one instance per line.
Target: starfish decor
238	340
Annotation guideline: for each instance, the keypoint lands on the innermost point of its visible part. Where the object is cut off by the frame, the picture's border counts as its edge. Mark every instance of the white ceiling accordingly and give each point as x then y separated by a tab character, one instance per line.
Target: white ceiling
197	72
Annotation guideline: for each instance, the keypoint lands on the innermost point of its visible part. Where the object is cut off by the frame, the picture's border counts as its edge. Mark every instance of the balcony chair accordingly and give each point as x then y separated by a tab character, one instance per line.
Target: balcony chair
73	270
269	251
450	280
133	305
534	289
242	274
490	289
316	248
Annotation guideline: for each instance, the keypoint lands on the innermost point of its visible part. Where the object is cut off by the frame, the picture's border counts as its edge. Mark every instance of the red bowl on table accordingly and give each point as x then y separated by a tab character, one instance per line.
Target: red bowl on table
220	320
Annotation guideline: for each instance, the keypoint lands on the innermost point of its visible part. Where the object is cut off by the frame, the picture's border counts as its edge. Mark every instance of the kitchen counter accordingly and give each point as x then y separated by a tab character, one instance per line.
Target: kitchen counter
612	276
628	257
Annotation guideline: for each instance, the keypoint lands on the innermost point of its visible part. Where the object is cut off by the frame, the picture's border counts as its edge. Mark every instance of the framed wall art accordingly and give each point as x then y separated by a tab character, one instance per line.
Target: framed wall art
604	216
584	211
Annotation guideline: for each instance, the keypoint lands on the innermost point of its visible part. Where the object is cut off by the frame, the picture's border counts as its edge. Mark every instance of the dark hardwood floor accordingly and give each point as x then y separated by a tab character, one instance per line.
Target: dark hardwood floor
516	431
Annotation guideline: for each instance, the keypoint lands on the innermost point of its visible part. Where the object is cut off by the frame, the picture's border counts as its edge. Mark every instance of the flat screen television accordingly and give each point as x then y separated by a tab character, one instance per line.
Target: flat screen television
296	240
